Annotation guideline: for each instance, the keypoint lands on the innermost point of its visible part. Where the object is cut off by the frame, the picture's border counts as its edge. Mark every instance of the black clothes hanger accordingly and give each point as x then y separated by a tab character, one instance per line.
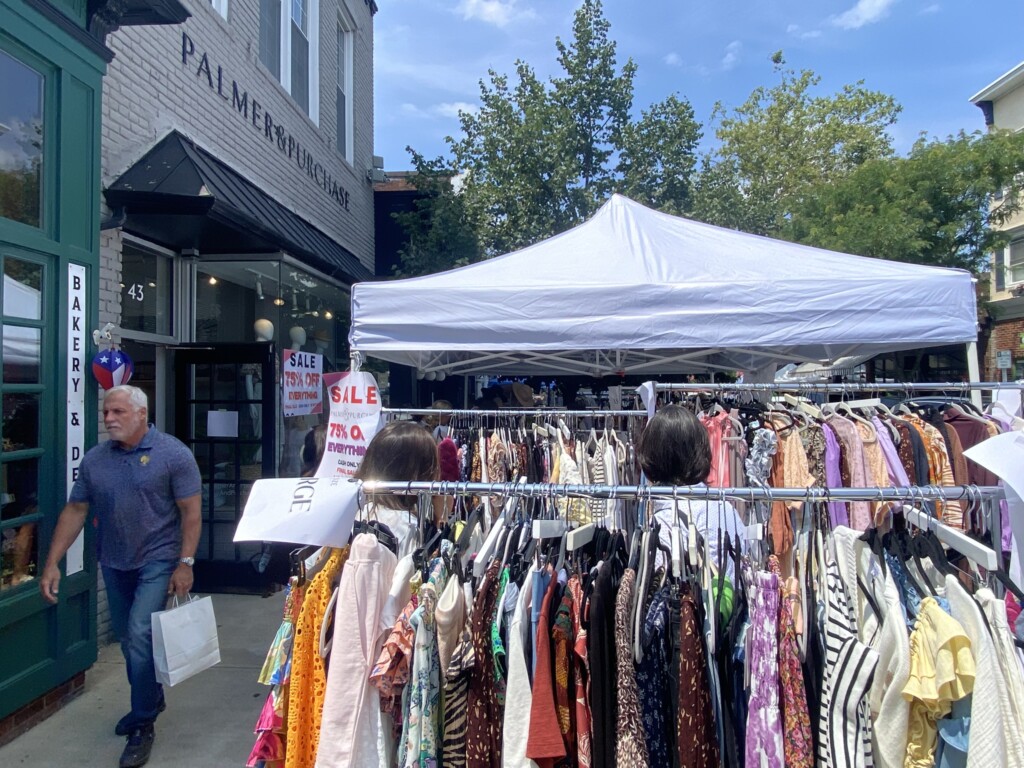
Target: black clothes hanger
383	534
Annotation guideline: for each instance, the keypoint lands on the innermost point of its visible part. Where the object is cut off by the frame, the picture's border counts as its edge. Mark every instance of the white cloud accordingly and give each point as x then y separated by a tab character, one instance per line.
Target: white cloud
810	34
732	55
673	59
453	108
864	12
411	110
500	13
933	8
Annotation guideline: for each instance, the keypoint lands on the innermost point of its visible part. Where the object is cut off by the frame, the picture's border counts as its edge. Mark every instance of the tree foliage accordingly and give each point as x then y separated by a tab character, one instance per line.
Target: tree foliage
940	205
540	157
783	141
440	231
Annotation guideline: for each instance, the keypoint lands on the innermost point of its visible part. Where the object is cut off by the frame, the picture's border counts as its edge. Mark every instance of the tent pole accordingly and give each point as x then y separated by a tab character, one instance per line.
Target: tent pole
973	370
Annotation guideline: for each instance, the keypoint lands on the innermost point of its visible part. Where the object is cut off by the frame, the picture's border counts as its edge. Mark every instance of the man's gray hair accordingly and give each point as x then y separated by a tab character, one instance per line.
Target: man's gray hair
135	395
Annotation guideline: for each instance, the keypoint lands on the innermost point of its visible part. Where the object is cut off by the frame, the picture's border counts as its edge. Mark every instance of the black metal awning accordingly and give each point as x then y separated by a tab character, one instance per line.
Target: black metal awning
182	197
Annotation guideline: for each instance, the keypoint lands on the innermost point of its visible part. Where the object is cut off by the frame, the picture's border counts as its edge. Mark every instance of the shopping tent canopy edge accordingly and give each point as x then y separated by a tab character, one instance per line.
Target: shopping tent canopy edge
634	290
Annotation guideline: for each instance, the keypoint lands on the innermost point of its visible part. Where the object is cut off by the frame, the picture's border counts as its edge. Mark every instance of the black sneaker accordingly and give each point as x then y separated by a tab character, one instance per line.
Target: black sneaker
140	744
123	728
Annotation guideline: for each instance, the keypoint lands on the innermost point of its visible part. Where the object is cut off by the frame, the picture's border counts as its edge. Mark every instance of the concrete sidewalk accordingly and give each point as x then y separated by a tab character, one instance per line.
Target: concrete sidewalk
209	718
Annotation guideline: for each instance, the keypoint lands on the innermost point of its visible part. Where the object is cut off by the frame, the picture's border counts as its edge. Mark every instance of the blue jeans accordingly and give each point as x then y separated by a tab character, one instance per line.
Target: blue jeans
133	597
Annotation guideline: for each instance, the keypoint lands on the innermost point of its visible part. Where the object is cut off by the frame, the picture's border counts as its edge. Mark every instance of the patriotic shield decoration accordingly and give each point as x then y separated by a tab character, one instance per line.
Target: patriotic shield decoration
112	367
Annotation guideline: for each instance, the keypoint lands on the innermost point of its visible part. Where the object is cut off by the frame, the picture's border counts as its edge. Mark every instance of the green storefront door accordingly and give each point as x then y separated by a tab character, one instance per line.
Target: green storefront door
50	96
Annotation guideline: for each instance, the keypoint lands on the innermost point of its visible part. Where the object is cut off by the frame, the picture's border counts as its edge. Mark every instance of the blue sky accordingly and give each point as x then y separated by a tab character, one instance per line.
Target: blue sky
930	55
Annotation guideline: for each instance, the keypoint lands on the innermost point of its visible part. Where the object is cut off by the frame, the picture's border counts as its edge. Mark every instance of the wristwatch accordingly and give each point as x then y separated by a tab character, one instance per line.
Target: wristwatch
189	561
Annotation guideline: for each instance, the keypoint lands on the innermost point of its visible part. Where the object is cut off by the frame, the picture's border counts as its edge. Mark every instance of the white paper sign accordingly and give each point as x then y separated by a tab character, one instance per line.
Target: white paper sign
615	398
356	417
648	394
307	510
76	397
222	424
301	383
1003	455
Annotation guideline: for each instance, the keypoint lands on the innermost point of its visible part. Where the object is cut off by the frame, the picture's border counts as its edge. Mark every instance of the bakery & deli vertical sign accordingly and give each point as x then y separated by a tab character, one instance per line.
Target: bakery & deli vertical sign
77	316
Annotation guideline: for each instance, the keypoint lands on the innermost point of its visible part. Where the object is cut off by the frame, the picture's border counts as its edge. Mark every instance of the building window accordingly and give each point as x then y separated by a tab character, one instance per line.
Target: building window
146	291
289	48
1016	264
21	141
344	139
221	7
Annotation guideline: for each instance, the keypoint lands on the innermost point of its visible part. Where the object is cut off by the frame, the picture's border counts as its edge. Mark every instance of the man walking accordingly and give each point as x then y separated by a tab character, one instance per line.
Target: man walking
143	488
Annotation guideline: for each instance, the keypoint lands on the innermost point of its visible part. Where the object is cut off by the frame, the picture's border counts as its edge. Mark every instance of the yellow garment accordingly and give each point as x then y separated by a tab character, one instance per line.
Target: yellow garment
309	677
874	463
941	672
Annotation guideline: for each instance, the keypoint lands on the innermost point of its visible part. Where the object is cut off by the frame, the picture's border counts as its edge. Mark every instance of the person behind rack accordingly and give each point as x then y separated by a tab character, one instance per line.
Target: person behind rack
674	449
313	446
143	488
401	451
440	425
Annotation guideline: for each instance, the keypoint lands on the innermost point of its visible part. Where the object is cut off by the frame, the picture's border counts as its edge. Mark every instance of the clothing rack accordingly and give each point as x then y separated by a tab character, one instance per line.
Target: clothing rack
813	386
951	537
645	492
506	412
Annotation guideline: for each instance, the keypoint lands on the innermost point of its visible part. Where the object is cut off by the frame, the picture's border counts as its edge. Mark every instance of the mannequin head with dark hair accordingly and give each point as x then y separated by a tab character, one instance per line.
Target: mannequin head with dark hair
403	450
674	448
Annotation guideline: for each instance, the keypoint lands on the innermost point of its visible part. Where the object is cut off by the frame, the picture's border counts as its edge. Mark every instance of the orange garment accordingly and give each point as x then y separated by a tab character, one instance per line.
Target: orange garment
940	470
309	676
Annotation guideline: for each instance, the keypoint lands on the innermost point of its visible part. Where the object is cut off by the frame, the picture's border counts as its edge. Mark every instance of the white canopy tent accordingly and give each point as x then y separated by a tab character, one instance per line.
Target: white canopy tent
633	290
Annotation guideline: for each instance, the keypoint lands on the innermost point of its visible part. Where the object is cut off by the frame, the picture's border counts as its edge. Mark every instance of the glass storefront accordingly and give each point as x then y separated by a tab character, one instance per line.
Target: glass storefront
21	141
20	428
306	313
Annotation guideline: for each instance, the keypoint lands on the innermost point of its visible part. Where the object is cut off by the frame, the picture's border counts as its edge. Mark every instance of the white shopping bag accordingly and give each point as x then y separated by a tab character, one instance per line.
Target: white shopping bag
185	640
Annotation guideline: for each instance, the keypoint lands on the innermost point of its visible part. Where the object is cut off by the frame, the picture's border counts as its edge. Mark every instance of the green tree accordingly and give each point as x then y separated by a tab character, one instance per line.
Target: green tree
784	140
940	205
540	157
659	156
441	232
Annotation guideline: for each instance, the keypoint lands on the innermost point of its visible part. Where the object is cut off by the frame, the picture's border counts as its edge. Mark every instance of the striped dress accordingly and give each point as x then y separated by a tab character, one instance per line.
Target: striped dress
844	725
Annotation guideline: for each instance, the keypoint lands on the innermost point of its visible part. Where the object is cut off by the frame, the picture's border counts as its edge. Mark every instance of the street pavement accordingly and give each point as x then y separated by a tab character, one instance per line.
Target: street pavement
209	719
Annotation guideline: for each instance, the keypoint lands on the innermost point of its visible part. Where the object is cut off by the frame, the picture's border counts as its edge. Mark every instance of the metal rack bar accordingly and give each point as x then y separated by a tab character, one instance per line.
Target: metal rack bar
638	492
506	412
810	386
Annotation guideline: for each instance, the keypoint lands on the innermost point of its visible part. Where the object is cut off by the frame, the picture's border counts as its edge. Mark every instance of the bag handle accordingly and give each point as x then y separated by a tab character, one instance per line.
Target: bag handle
191	599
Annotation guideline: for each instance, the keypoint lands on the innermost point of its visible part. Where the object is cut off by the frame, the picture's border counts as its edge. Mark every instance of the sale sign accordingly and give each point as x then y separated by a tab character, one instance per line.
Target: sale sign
301	377
356	417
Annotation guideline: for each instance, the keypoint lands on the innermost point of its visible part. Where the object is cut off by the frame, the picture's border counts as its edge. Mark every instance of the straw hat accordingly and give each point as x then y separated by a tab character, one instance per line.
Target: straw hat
523	394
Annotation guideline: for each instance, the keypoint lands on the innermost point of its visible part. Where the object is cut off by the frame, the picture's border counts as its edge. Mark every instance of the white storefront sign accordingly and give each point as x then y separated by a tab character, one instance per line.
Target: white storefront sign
76	395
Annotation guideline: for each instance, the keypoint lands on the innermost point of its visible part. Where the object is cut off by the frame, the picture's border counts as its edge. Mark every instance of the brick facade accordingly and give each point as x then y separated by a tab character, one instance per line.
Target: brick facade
1006	334
17	723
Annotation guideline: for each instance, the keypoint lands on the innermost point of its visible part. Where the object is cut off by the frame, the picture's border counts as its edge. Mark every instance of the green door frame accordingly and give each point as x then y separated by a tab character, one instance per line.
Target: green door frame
48	645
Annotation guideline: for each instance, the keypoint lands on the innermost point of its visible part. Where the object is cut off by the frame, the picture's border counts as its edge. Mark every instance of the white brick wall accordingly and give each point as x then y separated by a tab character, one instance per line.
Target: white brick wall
148	92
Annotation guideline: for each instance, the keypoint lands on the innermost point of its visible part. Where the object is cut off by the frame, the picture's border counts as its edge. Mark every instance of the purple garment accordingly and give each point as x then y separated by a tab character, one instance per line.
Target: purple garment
853	452
764	720
897	472
833	476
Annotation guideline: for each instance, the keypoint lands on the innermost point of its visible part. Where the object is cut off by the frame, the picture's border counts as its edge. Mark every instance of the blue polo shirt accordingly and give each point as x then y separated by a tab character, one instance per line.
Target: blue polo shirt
132	495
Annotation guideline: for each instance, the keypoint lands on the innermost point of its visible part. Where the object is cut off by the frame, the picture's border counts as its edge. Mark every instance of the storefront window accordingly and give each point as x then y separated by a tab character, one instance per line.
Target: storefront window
307	314
146	291
19	498
21	141
23	282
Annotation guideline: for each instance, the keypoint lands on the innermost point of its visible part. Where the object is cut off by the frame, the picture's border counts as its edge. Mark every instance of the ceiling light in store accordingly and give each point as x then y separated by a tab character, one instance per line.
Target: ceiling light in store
259	289
152	284
279	302
213	280
295	301
122	285
329	315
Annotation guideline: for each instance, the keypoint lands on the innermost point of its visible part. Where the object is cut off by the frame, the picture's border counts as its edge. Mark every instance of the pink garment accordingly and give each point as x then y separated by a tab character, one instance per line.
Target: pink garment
719	428
853	453
351	717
